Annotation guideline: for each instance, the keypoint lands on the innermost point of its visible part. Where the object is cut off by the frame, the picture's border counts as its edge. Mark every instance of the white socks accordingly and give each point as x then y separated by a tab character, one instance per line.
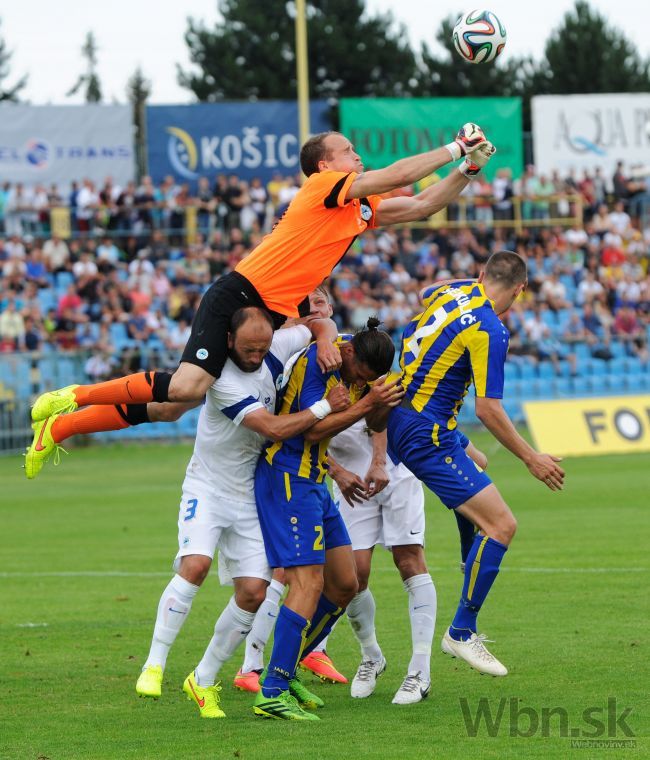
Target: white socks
262	627
361	614
230	630
422	611
173	608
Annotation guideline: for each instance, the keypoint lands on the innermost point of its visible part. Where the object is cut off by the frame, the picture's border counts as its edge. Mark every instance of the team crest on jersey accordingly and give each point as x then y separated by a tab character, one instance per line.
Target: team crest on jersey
202	354
278	382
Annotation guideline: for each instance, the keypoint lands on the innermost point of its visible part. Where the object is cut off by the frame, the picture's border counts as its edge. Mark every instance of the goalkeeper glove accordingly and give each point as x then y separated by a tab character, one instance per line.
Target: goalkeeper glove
468	139
477	159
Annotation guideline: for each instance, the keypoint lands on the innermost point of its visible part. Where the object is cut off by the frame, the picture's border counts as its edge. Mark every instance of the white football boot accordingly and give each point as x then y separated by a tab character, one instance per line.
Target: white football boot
474	652
365	679
414	689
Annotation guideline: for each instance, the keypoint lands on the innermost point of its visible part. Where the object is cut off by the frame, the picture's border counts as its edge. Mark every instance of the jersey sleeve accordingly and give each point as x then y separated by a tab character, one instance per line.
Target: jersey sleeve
487	353
289	341
314	383
233	401
373	201
332	187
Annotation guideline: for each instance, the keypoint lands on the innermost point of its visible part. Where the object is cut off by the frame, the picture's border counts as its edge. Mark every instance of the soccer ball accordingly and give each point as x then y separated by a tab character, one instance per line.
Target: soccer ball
479	36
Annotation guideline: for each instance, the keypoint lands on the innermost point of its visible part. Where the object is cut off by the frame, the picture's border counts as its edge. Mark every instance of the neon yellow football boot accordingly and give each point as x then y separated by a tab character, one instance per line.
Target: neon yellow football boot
42	447
297	689
54	402
205	697
282	707
149	682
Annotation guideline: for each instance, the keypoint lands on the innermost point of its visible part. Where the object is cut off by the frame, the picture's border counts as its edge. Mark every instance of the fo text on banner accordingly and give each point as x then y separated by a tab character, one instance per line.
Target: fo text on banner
384	130
573	427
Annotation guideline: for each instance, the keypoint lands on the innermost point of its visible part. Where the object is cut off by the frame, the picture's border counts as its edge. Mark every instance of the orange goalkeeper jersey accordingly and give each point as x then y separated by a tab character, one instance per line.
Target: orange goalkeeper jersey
306	244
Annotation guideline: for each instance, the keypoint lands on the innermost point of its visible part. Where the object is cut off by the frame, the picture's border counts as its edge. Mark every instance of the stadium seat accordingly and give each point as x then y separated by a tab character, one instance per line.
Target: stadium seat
579	386
635	383
528	371
546	370
562	386
633	366
598	386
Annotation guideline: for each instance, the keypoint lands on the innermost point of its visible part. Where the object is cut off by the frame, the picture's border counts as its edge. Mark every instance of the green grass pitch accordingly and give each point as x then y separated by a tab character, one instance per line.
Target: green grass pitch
87	550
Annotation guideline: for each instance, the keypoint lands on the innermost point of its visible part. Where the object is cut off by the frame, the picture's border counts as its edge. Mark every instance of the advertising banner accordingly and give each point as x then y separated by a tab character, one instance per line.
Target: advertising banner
46	144
609	425
246	139
383	130
585	131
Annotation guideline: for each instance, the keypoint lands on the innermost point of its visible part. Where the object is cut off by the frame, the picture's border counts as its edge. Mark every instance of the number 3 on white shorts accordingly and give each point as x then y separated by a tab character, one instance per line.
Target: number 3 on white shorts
318	543
191	509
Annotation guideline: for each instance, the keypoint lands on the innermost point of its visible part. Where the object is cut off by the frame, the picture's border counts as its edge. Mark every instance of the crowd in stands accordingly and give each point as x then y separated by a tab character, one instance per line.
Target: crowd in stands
125	286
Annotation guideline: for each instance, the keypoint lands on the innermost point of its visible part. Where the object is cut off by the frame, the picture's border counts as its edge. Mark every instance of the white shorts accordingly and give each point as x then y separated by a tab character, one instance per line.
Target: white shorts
395	517
208	521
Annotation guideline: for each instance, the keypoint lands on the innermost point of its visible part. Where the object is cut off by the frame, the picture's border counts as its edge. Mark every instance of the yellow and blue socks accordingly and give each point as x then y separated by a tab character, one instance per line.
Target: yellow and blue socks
481	570
288	642
322	623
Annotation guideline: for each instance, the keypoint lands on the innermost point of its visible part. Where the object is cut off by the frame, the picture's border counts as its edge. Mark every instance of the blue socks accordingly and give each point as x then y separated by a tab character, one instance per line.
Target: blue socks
481	569
324	618
289	639
295	638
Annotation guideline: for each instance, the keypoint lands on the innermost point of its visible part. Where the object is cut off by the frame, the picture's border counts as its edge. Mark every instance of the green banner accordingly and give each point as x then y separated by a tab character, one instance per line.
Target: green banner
383	130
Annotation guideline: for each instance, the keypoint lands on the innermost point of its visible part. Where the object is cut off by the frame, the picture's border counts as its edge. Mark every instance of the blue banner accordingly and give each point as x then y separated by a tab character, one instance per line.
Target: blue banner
246	139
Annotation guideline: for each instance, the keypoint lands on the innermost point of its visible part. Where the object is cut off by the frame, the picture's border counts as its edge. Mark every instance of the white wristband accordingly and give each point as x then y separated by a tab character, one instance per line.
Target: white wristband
321	409
454	149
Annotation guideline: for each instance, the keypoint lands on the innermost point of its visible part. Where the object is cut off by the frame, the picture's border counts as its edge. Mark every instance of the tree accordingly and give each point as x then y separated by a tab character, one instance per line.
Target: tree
587	54
138	90
250	54
9	92
90	80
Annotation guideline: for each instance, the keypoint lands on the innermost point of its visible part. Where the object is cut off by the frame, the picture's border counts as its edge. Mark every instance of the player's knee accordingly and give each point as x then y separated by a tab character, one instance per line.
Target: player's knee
409	560
505	531
250	595
347	589
165	412
189	385
363	579
195	568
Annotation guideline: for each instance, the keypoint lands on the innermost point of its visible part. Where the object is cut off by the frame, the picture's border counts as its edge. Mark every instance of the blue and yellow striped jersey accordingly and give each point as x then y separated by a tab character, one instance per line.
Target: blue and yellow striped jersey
457	339
307	384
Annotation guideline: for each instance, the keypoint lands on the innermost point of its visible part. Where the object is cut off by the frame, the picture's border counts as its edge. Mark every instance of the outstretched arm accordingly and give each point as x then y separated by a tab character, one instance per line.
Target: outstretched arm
435	197
422	205
406	171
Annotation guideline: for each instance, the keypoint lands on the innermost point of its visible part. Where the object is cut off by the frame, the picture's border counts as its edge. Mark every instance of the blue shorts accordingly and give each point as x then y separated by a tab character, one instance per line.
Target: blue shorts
299	519
439	461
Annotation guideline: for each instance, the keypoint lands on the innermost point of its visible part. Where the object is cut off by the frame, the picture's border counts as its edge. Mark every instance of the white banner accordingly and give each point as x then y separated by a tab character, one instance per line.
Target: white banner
586	131
45	144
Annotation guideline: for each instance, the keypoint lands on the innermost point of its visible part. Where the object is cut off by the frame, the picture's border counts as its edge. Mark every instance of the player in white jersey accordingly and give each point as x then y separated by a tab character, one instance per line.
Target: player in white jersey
217	509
